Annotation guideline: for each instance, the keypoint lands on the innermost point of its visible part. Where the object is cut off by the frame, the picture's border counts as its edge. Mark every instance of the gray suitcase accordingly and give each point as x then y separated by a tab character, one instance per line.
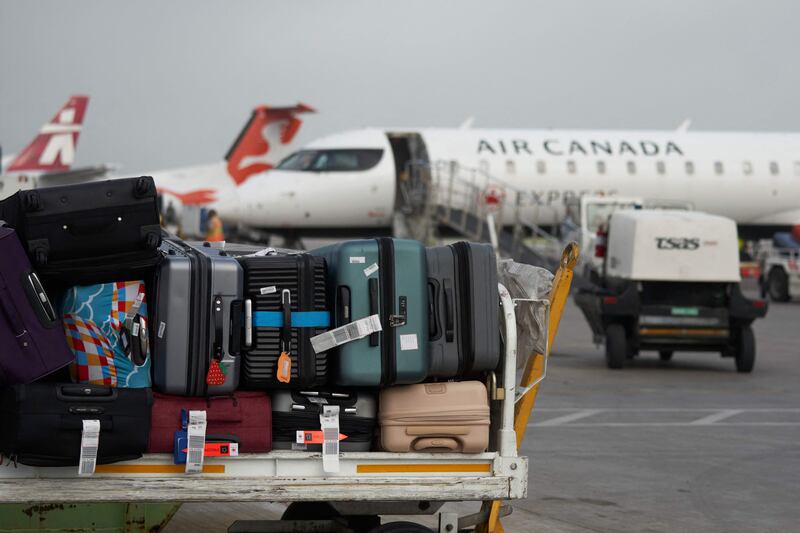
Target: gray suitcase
197	323
463	303
294	411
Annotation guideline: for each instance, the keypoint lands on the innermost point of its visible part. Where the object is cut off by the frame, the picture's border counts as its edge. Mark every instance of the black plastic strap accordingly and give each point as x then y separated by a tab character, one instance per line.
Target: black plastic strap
374	309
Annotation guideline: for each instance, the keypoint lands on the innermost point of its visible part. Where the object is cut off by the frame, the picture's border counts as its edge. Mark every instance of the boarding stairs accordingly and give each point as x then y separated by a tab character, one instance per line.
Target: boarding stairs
477	207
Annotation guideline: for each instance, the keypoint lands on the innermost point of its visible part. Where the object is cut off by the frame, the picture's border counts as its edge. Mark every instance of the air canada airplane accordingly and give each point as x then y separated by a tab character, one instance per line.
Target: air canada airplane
349	180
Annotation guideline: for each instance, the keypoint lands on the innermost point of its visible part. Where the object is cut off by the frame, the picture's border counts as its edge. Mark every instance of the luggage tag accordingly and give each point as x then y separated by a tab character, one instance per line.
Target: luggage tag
347	333
196	440
329	421
215	446
313	437
90	440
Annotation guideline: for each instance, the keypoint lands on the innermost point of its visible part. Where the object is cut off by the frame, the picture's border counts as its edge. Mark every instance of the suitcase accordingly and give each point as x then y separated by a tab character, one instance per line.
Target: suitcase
387	277
294	411
435	417
90	230
42	422
275	287
107	329
196	330
32	342
244	415
463	300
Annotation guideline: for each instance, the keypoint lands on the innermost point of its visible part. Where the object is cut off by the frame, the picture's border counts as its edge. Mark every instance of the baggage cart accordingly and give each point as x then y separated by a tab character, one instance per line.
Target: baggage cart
142	495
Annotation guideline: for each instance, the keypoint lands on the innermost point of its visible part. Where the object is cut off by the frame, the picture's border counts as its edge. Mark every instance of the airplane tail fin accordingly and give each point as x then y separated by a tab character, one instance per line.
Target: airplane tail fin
53	149
264	140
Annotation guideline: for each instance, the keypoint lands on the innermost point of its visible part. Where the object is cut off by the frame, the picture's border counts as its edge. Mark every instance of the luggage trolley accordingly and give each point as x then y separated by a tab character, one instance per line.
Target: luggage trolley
143	495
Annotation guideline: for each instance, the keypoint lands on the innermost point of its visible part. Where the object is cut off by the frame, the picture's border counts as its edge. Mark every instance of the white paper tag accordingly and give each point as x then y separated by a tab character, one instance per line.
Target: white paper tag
349	332
196	431
135	330
355	260
329	421
90	440
268	290
233	448
409	342
161	327
370	270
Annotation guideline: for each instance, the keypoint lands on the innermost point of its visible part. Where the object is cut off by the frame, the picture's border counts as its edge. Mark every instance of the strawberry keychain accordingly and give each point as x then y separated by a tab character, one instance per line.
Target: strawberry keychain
216	375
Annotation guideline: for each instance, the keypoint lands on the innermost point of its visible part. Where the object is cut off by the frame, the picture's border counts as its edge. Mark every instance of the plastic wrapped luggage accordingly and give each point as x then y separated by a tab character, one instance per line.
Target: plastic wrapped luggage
244	416
196	330
107	329
42	422
278	286
78	233
464	322
295	411
435	417
32	342
384	277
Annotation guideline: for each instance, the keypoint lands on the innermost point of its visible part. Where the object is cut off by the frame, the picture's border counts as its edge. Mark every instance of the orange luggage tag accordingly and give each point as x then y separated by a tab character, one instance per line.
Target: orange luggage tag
313	437
284	368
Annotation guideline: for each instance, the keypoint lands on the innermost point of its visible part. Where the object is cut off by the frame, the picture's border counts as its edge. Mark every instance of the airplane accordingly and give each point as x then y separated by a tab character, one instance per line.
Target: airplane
48	159
351	181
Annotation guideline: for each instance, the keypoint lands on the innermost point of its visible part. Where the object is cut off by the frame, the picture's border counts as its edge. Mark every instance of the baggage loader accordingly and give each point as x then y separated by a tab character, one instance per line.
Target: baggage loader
42	422
435	417
464	313
85	233
196	330
277	287
244	415
32	342
384	277
295	411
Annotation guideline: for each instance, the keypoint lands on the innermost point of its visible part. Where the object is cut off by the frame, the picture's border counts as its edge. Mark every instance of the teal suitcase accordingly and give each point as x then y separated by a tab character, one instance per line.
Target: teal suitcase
384	277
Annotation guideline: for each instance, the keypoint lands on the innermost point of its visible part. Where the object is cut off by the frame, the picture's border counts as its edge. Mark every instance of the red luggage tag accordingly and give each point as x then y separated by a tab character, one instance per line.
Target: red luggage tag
219	449
314	437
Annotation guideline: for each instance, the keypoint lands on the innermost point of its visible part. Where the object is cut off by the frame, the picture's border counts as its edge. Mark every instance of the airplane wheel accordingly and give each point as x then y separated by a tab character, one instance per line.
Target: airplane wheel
665	355
746	350
778	285
616	346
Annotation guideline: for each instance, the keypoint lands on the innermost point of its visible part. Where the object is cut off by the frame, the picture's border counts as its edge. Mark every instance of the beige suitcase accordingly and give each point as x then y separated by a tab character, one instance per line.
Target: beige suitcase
435	417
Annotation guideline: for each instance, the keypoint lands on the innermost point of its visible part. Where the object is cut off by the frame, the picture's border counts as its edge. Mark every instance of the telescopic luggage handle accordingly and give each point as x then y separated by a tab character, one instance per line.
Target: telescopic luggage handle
286	329
86	393
374	339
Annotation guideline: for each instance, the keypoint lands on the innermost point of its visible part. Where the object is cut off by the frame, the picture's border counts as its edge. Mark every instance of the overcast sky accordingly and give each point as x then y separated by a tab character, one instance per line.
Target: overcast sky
172	82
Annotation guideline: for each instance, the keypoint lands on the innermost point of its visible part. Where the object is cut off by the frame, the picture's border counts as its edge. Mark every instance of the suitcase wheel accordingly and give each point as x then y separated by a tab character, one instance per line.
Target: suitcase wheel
143	187
152	240
32	201
40	256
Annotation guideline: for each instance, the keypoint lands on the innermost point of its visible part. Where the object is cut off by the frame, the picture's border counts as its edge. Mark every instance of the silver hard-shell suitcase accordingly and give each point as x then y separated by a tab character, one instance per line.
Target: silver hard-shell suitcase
197	321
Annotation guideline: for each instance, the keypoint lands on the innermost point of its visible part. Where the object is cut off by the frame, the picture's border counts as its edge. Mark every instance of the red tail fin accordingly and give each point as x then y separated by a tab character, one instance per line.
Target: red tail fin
53	150
264	141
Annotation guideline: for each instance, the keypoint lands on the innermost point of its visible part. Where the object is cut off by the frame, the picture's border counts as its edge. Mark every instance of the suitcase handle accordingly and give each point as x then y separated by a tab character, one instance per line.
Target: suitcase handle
434	331
219	351
436	442
344	306
449	312
87	393
248	323
286	329
374	339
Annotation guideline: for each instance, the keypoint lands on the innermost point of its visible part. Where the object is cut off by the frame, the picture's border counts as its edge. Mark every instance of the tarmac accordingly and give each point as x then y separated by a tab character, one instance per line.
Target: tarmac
686	445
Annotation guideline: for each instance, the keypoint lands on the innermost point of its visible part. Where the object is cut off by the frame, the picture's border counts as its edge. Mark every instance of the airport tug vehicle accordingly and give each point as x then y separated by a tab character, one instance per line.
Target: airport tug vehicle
779	262
670	282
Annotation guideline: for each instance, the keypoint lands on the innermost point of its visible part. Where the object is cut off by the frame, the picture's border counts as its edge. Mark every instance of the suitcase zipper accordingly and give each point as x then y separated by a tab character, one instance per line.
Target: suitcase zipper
466	359
386	277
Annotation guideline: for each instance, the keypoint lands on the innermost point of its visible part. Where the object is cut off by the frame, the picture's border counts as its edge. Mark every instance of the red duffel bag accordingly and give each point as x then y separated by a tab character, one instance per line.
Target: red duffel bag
246	415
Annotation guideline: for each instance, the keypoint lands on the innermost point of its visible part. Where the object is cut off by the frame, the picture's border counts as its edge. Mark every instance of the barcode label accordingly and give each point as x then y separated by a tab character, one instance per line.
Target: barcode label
161	327
90	440
347	333
329	421
196	433
354	260
135	330
268	290
370	270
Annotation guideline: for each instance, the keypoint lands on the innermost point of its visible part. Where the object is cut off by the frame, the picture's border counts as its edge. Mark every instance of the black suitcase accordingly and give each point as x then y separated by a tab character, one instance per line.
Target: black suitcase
42	422
72	232
277	286
294	411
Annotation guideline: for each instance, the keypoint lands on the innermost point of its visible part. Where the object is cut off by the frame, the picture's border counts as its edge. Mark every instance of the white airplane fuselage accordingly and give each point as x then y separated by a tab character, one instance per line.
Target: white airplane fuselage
753	178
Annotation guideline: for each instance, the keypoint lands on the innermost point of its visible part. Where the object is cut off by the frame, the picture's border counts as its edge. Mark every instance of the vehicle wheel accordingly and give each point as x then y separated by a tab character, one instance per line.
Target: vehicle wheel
616	346
665	355
309	511
778	285
746	350
401	527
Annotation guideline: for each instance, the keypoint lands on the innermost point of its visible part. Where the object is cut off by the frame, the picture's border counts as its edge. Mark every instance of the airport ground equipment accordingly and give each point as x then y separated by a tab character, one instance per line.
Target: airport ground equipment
779	262
143	495
670	282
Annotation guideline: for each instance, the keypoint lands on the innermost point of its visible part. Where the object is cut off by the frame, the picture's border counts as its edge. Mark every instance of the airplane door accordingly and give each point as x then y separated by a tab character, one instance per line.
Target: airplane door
412	170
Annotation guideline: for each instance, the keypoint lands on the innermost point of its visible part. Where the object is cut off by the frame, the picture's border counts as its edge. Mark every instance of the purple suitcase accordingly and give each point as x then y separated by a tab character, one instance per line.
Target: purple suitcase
32	341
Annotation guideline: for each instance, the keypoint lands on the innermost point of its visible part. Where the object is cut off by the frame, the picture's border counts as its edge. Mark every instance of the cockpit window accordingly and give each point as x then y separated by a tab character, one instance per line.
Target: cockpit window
331	160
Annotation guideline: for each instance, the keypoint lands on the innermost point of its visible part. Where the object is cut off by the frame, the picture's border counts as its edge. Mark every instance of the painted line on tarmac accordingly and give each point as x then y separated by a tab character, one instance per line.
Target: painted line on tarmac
667	424
669	409
566	419
716	417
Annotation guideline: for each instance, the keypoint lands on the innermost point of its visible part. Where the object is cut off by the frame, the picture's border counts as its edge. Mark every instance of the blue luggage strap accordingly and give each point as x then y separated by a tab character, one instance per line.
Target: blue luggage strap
300	319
